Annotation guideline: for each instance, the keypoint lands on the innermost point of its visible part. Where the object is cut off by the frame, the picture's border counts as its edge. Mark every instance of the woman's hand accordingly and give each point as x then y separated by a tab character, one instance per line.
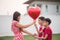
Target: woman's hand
34	35
34	21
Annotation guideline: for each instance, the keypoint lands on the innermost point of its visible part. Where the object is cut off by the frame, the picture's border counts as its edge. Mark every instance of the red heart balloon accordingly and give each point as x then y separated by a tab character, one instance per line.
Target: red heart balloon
34	12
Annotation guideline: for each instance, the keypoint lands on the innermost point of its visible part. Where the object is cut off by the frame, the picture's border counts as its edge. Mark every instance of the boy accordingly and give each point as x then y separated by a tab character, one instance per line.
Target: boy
47	30
40	31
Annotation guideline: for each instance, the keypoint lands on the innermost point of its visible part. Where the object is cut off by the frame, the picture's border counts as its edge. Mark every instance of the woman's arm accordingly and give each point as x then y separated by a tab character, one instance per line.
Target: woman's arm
24	26
25	31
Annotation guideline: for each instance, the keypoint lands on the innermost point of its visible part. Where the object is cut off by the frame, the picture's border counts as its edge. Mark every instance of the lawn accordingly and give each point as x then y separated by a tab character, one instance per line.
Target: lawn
55	37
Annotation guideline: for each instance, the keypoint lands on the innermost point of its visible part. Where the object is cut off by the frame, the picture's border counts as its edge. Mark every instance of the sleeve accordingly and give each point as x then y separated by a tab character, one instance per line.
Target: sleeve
47	31
15	23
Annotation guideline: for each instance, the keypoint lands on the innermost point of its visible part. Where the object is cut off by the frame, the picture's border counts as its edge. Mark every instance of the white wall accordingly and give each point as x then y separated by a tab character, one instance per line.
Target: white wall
7	7
5	24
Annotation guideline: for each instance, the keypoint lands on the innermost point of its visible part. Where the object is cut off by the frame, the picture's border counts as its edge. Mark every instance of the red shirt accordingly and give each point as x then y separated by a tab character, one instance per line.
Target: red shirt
49	32
40	34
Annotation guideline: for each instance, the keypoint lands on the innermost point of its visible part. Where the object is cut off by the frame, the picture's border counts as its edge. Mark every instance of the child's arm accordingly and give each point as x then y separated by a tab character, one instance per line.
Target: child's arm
41	31
24	26
45	36
36	27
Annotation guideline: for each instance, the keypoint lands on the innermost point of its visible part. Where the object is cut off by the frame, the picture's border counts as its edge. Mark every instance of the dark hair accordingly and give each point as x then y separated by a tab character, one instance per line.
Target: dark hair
15	15
48	20
41	18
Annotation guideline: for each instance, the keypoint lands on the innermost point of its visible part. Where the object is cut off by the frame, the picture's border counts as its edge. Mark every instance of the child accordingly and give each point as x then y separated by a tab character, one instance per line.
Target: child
18	28
40	31
47	30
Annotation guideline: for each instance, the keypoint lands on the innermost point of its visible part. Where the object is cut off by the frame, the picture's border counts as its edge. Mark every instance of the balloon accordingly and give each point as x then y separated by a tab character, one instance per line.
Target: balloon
34	12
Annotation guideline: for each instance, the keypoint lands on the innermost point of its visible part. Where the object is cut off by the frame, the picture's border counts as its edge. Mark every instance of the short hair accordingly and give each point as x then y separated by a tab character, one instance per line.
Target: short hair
41	18
15	15
48	20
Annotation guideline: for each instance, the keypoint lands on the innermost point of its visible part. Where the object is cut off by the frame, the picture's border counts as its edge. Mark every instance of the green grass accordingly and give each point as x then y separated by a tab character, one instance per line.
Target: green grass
55	37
